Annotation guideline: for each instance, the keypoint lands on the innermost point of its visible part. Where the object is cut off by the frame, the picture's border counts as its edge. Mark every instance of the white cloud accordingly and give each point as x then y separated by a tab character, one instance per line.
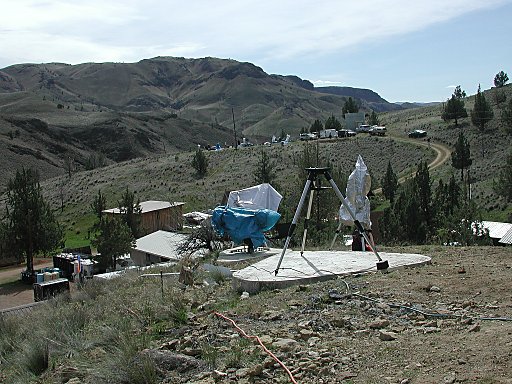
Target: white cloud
253	30
326	83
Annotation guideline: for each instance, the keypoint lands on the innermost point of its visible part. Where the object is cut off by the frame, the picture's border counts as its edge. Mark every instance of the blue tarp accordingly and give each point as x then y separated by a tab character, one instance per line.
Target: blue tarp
242	223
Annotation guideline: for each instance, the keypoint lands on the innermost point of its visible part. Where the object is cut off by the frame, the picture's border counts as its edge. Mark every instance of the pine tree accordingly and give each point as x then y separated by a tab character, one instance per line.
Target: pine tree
350	106
317	126
424	190
389	183
264	169
461	157
200	163
30	226
114	240
374	120
131	211
332	123
454	107
500	79
482	112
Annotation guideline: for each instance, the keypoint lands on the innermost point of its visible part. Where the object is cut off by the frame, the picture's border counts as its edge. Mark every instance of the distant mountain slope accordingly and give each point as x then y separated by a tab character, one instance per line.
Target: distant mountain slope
375	102
53	114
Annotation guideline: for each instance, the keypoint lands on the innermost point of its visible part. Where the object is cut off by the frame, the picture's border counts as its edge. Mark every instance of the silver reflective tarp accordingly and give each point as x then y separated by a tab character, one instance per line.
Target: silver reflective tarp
358	187
262	196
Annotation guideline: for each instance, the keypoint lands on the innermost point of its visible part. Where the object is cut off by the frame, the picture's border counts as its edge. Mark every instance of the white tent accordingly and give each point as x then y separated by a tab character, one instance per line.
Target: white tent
262	196
358	186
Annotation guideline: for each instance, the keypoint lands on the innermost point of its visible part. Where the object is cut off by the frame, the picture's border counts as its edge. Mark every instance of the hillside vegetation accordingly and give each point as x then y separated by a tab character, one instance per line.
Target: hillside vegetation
55	116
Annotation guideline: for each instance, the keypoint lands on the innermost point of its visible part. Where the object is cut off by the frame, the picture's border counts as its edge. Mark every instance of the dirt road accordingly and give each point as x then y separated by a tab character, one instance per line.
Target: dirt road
12	291
443	154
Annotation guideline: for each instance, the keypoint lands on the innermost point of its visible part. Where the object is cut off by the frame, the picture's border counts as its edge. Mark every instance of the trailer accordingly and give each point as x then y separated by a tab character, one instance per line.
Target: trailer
51	288
328	133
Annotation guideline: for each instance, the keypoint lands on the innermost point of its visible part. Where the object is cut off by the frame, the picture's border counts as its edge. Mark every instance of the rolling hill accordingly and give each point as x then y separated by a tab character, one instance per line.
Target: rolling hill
58	116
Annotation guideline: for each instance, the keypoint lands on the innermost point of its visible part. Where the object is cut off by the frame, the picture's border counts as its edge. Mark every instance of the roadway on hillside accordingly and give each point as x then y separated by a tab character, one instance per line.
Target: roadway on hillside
443	154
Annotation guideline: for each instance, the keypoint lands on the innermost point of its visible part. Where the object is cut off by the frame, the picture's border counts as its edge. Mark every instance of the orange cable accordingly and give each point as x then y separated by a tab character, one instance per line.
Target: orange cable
242	332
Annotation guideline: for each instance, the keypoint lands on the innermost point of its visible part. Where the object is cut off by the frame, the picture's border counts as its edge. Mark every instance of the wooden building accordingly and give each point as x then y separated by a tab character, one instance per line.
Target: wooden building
157	215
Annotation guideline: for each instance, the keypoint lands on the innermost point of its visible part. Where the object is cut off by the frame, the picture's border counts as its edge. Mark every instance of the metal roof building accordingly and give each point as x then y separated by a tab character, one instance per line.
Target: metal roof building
157	247
507	238
499	232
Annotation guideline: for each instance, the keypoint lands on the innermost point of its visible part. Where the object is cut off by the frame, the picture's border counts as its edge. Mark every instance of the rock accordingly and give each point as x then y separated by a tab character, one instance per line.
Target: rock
362	332
427	330
474	328
405	381
256	370
449	379
244	295
346	375
285	344
266	339
74	380
387	335
271	315
305	334
379	324
242	372
435	288
170	361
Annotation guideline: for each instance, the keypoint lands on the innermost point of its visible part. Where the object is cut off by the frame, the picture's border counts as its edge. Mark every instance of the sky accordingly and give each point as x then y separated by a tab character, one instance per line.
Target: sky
405	50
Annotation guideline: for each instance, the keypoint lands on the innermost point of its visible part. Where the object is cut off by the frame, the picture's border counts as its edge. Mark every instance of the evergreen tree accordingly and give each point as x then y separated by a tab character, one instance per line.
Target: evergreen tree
264	169
131	211
200	163
317	126
332	123
374	120
500	79
482	111
99	204
350	106
114	240
461	157
503	186
424	193
30	226
389	183
454	107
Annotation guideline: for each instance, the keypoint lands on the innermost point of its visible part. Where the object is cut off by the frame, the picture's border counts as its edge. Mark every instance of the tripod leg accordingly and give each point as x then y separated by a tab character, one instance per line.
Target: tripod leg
294	221
306	222
381	265
336	235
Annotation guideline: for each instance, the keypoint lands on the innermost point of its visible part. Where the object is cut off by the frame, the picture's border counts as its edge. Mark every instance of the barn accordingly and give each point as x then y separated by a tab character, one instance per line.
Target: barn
157	215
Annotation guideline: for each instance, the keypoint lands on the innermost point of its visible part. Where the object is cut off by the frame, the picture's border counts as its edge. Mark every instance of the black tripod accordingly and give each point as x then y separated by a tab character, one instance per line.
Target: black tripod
310	187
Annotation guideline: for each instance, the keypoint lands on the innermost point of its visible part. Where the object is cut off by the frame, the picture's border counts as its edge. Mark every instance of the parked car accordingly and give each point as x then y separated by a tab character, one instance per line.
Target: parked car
346	133
363	128
417	133
377	131
307	136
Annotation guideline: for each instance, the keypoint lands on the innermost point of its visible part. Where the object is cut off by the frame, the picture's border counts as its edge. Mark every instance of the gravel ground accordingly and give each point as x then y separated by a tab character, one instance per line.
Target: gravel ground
447	322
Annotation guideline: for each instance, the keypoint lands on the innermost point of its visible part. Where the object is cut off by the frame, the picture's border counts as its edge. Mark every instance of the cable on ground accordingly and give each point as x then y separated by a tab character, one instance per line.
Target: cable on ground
242	332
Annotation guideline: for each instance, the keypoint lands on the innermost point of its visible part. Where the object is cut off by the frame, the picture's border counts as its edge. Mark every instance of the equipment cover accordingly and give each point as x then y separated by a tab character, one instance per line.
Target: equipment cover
262	196
358	186
241	223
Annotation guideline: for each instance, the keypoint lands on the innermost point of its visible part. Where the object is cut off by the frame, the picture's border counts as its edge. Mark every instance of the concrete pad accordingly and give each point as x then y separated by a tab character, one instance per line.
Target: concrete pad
314	266
240	254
